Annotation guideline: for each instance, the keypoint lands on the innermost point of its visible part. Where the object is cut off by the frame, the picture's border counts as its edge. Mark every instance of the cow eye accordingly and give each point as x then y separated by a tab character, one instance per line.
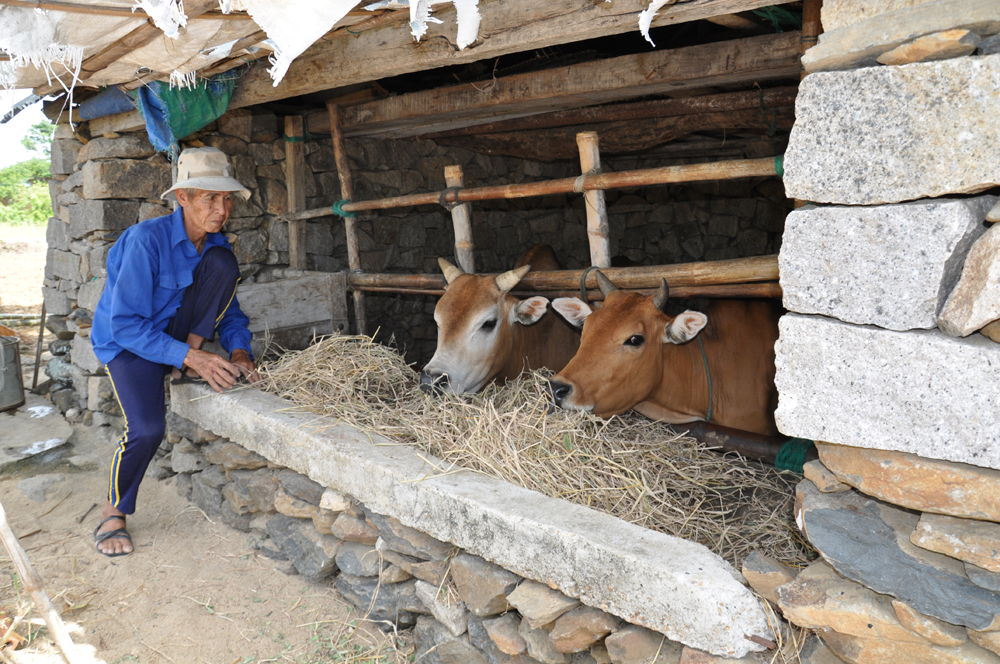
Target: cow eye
490	324
635	340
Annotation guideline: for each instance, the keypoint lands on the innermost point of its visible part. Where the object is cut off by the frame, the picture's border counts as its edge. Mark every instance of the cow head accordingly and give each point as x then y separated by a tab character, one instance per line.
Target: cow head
620	361
476	319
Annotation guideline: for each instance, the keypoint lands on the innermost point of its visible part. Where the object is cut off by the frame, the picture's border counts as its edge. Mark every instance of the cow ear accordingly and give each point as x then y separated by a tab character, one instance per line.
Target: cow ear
572	309
530	311
685	327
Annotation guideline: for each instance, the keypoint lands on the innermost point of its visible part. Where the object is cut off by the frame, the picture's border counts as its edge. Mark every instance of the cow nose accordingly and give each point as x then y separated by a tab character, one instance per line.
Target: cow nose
433	383
559	390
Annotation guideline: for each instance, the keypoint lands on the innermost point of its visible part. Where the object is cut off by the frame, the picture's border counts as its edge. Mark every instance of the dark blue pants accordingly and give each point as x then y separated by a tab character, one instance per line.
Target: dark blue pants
138	383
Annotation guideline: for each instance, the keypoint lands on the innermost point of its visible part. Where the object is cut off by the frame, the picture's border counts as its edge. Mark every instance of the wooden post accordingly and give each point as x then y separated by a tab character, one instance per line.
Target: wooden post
295	167
461	219
350	224
33	584
597	213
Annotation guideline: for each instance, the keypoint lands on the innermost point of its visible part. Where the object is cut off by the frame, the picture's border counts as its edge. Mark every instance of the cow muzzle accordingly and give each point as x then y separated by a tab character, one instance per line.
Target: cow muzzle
433	383
559	391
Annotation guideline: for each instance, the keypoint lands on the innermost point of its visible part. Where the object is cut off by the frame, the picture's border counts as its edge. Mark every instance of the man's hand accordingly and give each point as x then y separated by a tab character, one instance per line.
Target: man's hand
219	373
241	358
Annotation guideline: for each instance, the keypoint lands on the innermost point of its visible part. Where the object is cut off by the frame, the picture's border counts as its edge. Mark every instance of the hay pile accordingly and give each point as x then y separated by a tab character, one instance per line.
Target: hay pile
630	467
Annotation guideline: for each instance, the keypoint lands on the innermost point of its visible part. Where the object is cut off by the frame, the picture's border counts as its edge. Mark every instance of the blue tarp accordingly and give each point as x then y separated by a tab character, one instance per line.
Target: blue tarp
172	114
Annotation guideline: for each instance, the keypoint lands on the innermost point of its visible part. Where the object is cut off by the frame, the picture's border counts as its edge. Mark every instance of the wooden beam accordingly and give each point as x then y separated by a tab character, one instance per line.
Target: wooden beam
107	10
295	168
740	23
741	61
508	26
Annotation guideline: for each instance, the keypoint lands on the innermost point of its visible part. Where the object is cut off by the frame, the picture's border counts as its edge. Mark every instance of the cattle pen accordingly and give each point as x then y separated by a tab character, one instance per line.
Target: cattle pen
824	158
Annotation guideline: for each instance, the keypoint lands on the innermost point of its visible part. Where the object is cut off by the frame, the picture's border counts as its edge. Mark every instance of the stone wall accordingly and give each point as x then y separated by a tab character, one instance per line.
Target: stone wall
880	359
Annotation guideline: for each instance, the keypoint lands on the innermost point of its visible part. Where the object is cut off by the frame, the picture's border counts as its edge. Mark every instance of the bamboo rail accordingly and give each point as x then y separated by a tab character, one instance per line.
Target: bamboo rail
598	230
720	170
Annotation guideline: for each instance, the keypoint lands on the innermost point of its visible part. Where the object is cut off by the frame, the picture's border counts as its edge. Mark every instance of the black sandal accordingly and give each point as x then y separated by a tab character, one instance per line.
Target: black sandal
187	378
119	533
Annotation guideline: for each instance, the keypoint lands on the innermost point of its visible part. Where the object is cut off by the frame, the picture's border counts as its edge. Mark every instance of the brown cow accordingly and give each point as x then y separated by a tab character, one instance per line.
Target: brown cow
485	333
633	355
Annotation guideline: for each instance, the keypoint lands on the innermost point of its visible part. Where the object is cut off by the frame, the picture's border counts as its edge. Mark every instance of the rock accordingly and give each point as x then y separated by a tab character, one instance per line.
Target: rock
580	628
482	585
56	234
856	650
204	496
312	554
289	505
301	487
599	655
185	486
90	294
539	604
127	146
983	578
409	541
59	370
919	483
503	632
350	529
432	571
937	632
860	44
125	178
814	651
992	331
231	145
838	13
393	603
481	639
188	463
975	301
35	488
927	126
765	574
450	613
233	519
437	645
262	487
56	301
237	497
394	574
988	640
888	265
83	356
692	656
975	542
938	46
989	47
57	326
214	477
823	478
637	645
62	265
539	645
335	501
914	391
323	521
90	216
63	156
358	559
232	456
868	542
237	122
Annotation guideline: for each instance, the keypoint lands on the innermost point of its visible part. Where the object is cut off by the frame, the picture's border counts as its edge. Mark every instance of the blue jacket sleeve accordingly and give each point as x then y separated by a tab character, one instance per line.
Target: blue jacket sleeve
234	329
132	310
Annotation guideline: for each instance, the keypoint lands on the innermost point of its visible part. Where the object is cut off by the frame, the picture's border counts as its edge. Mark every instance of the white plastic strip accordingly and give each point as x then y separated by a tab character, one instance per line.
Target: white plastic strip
167	15
646	17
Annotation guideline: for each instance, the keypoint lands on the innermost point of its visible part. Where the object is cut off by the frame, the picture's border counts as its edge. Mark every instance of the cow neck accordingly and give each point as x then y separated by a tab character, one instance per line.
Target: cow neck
684	390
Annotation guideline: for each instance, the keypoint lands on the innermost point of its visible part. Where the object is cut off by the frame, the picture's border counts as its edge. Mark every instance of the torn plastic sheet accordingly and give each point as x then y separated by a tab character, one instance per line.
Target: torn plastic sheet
167	15
30	38
466	16
646	17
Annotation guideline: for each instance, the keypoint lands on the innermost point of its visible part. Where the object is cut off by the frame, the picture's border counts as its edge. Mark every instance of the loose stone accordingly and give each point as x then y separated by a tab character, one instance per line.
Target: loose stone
765	574
409	541
937	632
580	628
480	638
312	554
874	651
396	603
289	505
358	559
988	640
983	578
482	585
540	647
503	632
823	478
692	656
437	645
975	542
539	604
637	645
350	529
450	613
975	301
938	46
300	486
431	571
335	501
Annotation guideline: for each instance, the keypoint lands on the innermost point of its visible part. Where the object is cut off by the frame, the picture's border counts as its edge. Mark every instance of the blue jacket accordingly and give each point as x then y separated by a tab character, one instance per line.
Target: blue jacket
149	267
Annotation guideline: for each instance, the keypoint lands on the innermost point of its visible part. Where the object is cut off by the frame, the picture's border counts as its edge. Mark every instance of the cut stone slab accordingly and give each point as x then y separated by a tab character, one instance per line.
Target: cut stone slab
90	216
860	44
673	585
919	391
988	640
983	578
938	46
482	585
916	482
539	604
975	301
873	651
823	478
765	574
635	645
32	429
838	13
580	628
976	542
937	632
503	632
919	131
540	647
125	178
452	615
126	146
868	542
313	554
889	265
819	597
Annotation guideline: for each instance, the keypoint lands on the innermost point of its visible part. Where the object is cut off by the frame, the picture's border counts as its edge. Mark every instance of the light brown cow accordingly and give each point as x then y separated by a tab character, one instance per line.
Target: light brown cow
633	355
485	333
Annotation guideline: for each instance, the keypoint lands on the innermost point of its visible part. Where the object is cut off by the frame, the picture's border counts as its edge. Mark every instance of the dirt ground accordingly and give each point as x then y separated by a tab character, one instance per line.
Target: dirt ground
22	268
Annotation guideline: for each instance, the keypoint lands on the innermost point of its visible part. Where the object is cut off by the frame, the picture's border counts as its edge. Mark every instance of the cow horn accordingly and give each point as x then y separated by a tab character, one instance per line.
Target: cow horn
451	273
605	284
509	279
660	299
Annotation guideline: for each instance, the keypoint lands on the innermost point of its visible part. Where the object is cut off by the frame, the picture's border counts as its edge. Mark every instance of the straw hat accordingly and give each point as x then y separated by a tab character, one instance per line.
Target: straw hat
205	168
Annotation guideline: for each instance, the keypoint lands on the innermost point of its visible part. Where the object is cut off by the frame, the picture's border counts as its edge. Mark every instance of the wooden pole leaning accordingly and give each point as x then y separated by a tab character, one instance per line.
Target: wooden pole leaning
350	223
598	231
33	583
295	166
461	219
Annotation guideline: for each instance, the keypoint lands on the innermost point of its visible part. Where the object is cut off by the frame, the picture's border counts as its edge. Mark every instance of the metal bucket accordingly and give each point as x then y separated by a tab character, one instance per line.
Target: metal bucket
11	382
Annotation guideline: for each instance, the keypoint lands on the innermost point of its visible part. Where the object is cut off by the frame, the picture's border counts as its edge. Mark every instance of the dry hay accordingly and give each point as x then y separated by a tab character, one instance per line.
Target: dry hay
627	466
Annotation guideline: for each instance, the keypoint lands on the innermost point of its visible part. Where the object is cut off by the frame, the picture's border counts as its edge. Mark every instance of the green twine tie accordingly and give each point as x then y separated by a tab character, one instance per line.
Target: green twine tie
779	165
792	454
338	209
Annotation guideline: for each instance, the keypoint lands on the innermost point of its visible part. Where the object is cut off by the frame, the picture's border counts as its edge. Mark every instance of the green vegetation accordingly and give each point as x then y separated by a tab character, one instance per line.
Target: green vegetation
24	189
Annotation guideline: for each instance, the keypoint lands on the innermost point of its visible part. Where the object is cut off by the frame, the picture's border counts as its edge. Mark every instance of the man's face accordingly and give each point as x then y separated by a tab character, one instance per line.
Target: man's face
205	211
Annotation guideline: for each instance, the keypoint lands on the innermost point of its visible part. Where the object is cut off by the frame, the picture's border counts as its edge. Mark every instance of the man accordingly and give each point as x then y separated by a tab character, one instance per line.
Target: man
171	286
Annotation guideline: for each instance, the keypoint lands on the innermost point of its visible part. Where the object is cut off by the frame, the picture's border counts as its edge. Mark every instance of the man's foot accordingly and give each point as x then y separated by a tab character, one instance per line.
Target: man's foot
110	535
185	375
